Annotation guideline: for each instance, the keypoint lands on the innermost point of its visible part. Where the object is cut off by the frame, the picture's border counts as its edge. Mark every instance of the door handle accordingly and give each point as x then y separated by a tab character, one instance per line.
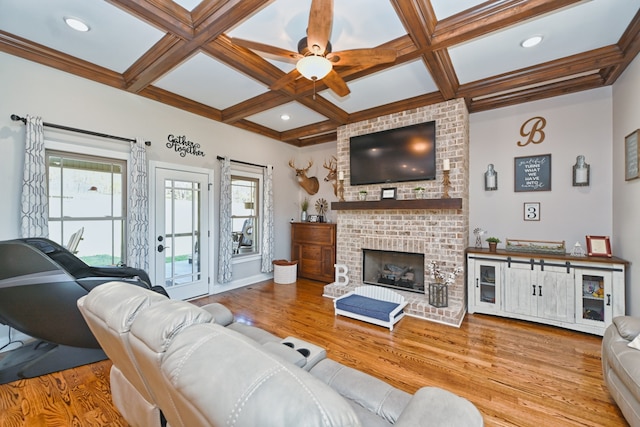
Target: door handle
534	290
608	299
477	286
539	290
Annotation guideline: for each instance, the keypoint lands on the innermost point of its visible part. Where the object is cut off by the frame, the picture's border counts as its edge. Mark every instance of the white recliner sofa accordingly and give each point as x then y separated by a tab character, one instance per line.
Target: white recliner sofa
197	367
621	366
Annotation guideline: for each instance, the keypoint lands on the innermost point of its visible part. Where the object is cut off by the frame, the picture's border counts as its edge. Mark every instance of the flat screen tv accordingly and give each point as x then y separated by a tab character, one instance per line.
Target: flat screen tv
395	155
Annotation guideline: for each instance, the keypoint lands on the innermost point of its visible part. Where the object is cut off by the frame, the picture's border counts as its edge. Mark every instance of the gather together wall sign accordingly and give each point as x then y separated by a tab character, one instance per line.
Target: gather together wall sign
181	145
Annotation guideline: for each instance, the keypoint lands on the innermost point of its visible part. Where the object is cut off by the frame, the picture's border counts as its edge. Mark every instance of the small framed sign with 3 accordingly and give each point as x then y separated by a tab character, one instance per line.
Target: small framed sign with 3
532	211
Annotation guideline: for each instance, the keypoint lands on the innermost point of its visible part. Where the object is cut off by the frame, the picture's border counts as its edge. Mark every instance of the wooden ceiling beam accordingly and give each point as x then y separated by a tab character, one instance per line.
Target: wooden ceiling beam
488	17
565	87
253	106
40	54
313	130
629	44
162	61
565	67
167	16
419	19
185	104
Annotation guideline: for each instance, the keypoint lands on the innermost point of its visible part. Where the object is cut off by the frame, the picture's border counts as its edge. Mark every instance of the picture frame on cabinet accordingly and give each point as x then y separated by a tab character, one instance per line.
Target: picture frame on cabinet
631	156
599	246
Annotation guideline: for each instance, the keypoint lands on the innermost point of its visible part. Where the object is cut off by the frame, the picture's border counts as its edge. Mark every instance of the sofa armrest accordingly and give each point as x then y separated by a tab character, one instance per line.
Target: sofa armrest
286	353
432	406
628	326
221	314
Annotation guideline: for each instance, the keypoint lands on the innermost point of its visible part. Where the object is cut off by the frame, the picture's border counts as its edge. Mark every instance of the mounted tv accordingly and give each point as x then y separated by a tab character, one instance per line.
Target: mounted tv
395	155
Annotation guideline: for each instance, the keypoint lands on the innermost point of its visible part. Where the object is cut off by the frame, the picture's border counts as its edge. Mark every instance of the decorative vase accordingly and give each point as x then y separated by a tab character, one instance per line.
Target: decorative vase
303	216
493	246
362	196
419	194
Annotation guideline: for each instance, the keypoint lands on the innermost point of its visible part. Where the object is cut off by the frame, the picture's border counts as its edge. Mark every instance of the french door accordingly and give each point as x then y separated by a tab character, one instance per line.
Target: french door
181	239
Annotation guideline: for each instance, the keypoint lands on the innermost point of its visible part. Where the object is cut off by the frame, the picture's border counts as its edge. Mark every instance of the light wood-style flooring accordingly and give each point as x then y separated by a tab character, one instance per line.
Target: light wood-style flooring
516	373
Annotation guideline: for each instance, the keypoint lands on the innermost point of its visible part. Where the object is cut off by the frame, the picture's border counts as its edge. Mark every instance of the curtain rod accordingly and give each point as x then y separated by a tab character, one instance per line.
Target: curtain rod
16	118
243	163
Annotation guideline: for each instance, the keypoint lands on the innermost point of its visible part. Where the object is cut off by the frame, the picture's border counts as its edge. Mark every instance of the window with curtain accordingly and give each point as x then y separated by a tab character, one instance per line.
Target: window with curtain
87	205
245	212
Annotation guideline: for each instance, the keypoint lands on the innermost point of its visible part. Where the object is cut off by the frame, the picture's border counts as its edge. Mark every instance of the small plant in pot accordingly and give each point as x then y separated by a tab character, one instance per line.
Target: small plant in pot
304	205
419	191
362	195
493	243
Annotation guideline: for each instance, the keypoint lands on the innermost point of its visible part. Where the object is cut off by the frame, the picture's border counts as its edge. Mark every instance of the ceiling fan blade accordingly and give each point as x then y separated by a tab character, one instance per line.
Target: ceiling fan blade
336	83
289	55
290	77
319	28
372	56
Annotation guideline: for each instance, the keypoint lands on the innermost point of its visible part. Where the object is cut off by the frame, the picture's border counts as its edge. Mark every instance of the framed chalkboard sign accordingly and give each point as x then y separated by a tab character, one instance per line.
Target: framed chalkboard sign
533	173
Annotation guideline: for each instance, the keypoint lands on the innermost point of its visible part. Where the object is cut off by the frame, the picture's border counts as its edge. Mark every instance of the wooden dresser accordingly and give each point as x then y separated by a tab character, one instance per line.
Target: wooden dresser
313	245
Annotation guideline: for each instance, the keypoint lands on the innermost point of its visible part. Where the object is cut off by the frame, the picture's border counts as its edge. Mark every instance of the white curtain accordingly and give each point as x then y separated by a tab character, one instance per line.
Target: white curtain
138	208
267	220
34	218
225	231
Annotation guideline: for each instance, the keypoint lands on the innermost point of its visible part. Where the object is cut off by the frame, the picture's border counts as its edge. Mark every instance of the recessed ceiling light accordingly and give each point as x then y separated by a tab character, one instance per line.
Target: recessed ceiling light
531	41
76	24
285	117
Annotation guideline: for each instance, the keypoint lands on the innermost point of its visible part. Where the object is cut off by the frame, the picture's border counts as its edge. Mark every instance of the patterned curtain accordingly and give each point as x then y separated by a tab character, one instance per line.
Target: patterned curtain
267	220
138	208
34	218
225	229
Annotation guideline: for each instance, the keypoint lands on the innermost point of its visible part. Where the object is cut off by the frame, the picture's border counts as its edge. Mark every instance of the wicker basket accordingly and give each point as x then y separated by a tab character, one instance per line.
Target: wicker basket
284	272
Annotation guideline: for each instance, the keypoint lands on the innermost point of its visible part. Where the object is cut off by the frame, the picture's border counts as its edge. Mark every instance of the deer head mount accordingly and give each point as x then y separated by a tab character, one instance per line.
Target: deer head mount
310	184
332	176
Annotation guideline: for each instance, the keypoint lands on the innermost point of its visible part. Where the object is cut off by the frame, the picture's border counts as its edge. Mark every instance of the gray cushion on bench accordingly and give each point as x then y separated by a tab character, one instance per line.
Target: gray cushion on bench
367	306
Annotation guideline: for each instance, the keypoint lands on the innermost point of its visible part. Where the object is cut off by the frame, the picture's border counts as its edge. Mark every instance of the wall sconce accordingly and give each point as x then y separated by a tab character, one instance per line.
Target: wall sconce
490	178
581	172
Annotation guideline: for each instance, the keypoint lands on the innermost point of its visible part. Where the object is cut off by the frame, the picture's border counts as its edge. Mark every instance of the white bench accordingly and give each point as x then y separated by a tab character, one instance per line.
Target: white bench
374	304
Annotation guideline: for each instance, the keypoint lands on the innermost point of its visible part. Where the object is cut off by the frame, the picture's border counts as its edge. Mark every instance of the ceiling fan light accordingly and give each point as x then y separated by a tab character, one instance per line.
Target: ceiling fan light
314	67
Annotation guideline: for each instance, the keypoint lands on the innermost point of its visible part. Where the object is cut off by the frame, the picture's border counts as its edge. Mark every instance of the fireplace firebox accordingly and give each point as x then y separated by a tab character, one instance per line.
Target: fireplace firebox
396	270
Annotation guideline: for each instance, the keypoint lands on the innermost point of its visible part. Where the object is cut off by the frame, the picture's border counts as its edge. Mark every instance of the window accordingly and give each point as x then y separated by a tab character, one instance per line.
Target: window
245	210
87	197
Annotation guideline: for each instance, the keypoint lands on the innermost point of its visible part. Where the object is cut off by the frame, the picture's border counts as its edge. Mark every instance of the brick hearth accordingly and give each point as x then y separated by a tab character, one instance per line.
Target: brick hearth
441	234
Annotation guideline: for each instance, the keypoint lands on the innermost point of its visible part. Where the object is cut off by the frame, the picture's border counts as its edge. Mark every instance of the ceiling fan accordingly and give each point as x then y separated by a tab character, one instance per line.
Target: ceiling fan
314	59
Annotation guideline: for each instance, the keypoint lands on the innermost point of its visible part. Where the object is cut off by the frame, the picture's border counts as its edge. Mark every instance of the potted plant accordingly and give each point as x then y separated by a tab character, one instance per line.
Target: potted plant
419	192
493	243
304	205
362	195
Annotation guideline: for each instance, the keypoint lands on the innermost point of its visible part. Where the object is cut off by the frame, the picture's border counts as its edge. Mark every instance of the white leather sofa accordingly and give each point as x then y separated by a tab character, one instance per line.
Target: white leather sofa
197	367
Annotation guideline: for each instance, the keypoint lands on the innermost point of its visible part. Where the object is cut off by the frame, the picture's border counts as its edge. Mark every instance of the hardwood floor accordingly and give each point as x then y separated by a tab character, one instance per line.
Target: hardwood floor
516	373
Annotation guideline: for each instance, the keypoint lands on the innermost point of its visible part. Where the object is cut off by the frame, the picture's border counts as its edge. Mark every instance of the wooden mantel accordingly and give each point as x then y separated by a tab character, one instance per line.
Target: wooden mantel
398	204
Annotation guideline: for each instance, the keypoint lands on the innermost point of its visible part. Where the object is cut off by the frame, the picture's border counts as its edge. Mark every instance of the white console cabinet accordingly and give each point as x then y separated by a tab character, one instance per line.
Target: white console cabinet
559	290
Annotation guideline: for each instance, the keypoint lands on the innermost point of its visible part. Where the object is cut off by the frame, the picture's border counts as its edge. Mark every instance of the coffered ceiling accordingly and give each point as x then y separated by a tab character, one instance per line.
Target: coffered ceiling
182	53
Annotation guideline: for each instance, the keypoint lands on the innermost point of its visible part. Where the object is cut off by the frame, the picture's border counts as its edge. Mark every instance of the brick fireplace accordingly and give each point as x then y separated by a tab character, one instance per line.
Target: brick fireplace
437	228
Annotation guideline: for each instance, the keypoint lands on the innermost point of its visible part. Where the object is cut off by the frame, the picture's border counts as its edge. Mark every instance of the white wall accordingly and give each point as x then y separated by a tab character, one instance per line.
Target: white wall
626	194
61	98
576	124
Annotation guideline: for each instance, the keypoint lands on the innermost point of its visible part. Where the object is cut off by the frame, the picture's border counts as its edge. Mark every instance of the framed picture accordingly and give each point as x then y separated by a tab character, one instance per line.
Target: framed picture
532	211
598	246
388	193
532	173
631	156
312	218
